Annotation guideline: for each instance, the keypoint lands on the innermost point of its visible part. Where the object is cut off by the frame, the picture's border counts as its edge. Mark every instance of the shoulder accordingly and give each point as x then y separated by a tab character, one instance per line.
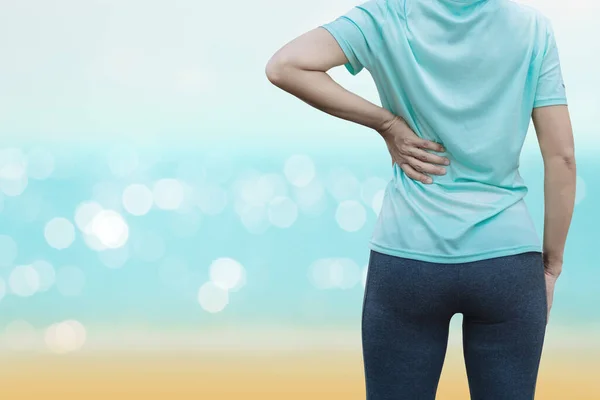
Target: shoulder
527	13
534	23
372	15
376	9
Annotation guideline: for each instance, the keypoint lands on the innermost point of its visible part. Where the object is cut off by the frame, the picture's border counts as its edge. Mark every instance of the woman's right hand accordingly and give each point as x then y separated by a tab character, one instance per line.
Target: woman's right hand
408	151
550	283
551	273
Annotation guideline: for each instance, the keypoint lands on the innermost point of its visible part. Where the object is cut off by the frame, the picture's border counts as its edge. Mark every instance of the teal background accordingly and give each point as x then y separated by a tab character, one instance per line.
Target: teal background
176	90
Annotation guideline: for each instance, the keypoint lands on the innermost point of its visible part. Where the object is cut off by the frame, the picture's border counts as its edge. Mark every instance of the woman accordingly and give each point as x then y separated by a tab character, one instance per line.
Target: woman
459	82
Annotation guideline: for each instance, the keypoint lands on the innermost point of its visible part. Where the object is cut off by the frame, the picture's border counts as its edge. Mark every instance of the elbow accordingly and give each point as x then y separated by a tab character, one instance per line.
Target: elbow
276	70
564	160
273	72
569	161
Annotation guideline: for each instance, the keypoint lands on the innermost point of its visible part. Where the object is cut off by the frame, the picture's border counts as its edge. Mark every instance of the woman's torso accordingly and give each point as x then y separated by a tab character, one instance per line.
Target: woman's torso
462	73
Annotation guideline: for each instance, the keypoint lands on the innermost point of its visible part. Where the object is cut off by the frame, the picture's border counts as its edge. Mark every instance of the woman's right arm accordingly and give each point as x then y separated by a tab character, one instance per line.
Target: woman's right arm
555	137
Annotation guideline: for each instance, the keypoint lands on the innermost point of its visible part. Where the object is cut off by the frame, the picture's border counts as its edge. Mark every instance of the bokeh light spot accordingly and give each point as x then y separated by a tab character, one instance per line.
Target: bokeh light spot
65	337
370	188
227	273
377	202
254	218
168	194
110	229
114	258
299	170
343	185
332	272
13	171
59	233
311	198
350	215
46	274
282	212
85	214
212	298
137	199
24	281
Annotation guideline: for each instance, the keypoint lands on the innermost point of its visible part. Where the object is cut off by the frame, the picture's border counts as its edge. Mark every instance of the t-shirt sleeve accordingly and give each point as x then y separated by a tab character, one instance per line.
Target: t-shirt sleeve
550	88
359	33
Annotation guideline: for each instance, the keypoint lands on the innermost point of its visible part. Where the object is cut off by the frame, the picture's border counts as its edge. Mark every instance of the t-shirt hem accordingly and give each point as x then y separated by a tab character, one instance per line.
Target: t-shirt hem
353	65
449	259
550	102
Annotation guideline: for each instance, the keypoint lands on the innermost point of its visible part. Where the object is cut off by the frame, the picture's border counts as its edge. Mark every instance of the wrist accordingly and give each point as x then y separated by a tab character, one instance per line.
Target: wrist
386	123
552	258
552	263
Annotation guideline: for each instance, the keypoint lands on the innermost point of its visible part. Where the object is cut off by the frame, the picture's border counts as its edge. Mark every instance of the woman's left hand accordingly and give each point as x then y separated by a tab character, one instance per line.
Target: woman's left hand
409	151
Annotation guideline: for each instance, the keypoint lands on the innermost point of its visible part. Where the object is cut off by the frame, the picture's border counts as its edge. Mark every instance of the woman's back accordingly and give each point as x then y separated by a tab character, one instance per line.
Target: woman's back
465	73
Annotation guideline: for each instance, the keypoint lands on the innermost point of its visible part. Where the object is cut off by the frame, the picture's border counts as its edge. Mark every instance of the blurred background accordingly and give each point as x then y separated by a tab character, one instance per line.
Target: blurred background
173	226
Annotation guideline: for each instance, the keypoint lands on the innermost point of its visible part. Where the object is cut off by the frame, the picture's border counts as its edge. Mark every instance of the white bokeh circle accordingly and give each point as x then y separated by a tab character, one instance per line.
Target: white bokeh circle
85	214
377	201
65	337
168	194
24	281
59	233
370	188
114	258
343	185
137	199
13	171
212	298
350	215
334	272
46	274
282	212
227	273
299	170
110	228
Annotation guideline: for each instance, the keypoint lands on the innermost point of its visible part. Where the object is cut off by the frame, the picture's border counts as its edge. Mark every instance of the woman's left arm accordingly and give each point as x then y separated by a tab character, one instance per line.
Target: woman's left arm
300	68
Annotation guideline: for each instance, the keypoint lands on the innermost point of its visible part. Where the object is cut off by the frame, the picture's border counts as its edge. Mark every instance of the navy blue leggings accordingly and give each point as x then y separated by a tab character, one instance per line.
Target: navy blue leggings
406	313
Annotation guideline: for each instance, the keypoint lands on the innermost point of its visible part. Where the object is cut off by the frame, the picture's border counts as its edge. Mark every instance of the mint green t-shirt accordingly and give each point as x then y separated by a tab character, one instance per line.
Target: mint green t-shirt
467	74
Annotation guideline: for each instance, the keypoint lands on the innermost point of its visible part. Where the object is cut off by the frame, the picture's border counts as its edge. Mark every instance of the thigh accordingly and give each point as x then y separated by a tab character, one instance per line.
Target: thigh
407	308
503	303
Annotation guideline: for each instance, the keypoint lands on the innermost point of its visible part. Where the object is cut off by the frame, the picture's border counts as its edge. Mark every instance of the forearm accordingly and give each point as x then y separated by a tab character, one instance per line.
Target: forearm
559	200
319	90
